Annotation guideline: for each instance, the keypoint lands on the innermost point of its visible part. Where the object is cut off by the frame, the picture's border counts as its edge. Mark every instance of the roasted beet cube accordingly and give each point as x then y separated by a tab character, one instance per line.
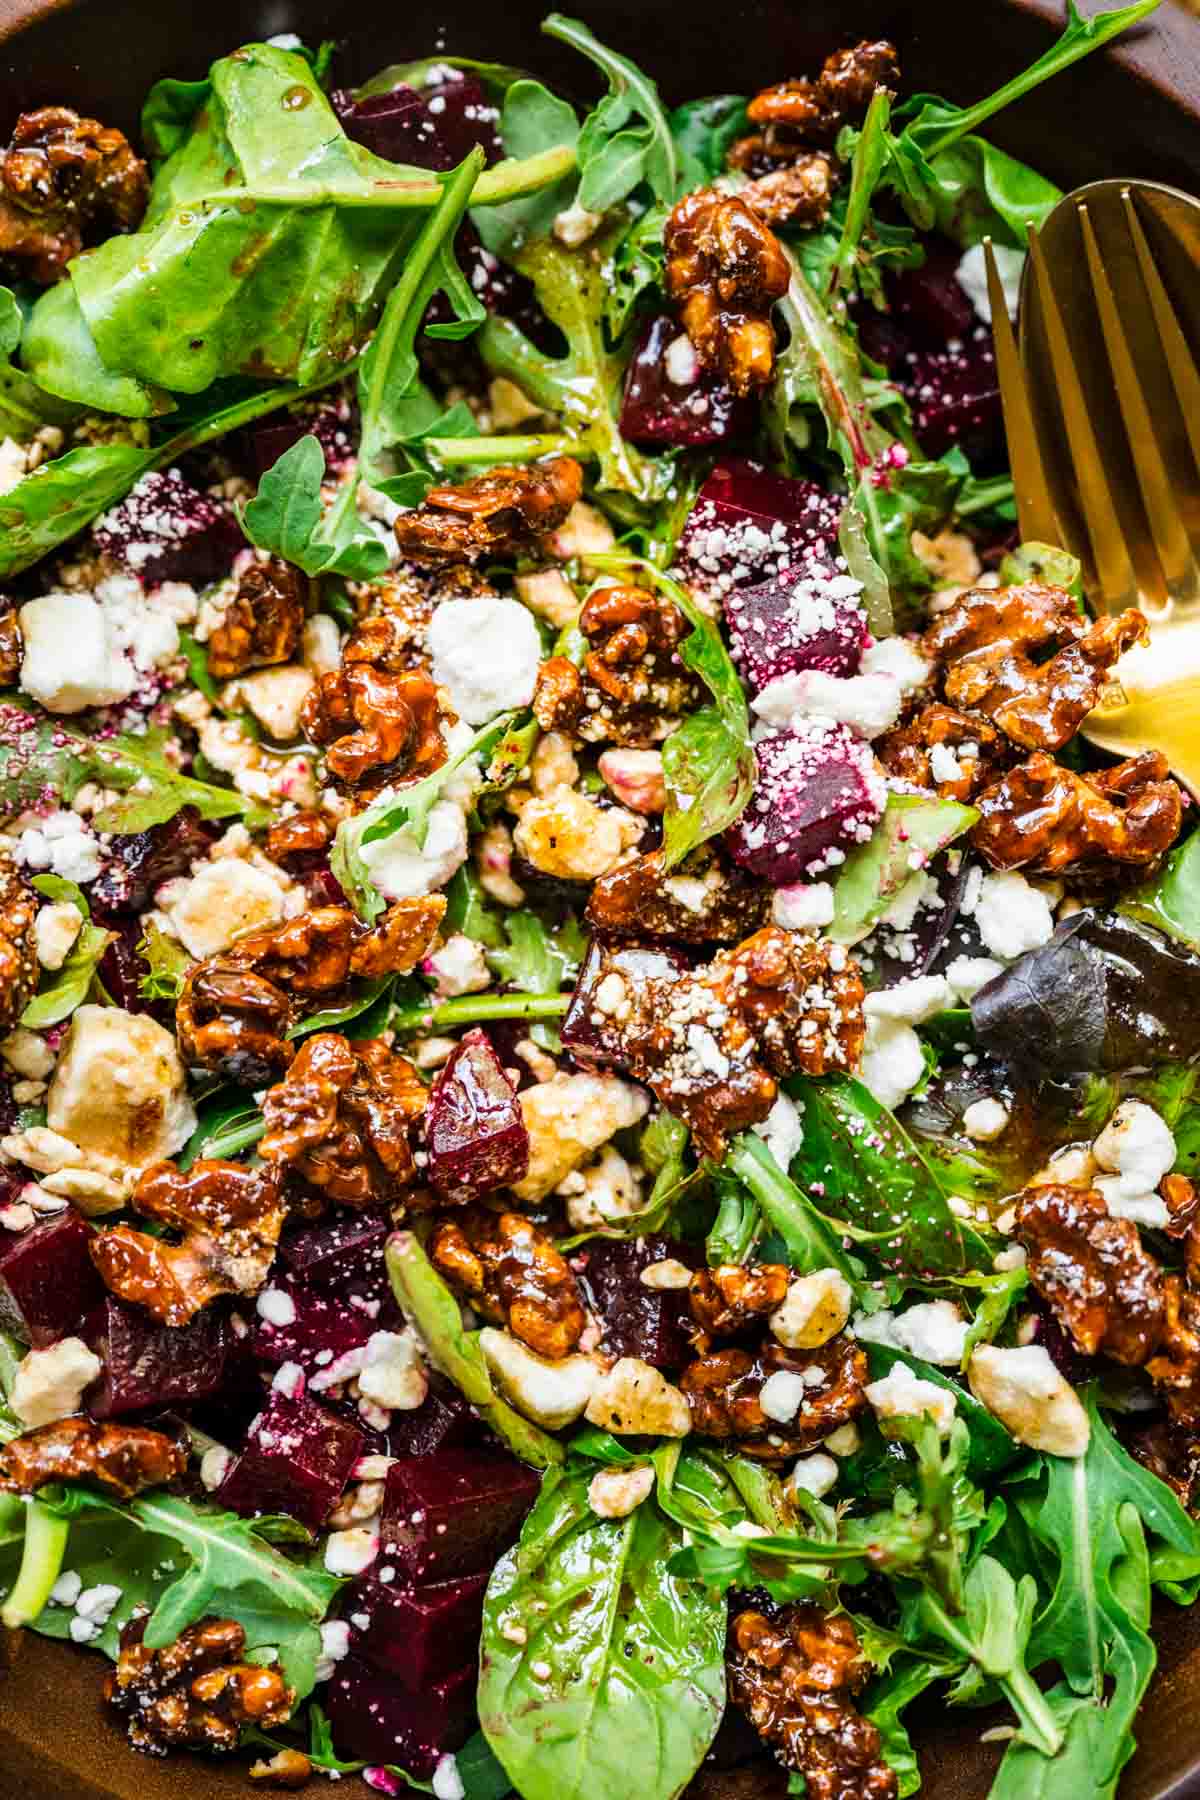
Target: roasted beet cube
375	1721
817	797
955	396
640	1321
420	1634
140	862
48	1281
930	303
442	1421
810	619
475	1133
332	422
167	530
147	1365
298	1323
434	128
453	1513
297	1459
593	1037
748	526
344	1253
670	399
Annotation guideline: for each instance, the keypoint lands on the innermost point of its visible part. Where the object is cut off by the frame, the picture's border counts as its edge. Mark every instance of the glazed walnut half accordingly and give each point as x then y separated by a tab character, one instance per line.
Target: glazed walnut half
62	179
1050	820
376	727
195	1693
513	1275
724	1389
500	513
1103	1286
341	1117
121	1460
262	624
725	270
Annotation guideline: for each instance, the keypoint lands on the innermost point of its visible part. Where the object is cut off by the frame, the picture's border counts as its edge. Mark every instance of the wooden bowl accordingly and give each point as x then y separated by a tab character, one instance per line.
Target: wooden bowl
1132	111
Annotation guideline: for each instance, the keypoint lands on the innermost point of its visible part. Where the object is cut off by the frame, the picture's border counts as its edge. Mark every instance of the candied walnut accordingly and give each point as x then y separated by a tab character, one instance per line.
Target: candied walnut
817	110
724	1388
1103	1287
1183	1202
194	1694
12	649
800	193
1048	819
231	1218
513	1275
1171	1451
61	178
402	603
293	842
121	1460
318	952
632	678
18	954
703	901
286	1769
976	750
233	1022
340	1118
793	1671
1176	1365
264	622
992	648
376	727
732	1297
507	510
399	938
558	698
725	270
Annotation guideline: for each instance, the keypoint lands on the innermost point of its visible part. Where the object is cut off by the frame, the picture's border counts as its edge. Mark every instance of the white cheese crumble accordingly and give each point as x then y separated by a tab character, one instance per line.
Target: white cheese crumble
1012	915
486	654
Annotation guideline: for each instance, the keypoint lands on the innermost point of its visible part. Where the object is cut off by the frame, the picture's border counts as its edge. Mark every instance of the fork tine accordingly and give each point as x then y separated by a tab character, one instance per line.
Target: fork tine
1035	510
1180	360
1162	514
1114	571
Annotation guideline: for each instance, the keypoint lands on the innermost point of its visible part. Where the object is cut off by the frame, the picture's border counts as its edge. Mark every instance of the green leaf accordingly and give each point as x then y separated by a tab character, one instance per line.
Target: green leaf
227	1122
626	140
153	788
869	1172
432	1310
285	519
635	1655
61	990
369	1009
467	911
703	131
1171	901
532	120
884	1703
992	1448
912	831
167	964
1044	563
167	115
536	959
810	1242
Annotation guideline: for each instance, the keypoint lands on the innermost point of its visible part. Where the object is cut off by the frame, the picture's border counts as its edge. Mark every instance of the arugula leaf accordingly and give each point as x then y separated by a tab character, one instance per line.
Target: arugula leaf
1043	563
468	912
873	875
869	1172
153	789
285	518
811	1244
636	1655
584	385
167	964
61	990
883	1704
537	960
626	140
434	1313
532	120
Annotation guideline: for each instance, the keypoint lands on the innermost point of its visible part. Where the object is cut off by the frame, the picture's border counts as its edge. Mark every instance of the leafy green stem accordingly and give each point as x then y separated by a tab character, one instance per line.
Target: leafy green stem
474	1007
519	448
41	1563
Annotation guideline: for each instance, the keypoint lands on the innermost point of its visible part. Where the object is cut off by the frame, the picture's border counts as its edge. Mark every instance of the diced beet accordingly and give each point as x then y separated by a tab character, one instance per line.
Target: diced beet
151	1365
595	1038
344	1252
475	1134
639	1321
443	1421
453	1513
749	525
431	129
803	619
331	422
167	530
375	1721
121	968
324	1326
955	396
140	862
930	302
420	1634
297	1459
659	410
48	1281
818	795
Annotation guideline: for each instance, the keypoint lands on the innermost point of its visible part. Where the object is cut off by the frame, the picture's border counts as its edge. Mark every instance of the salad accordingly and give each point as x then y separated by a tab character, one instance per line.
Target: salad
599	1097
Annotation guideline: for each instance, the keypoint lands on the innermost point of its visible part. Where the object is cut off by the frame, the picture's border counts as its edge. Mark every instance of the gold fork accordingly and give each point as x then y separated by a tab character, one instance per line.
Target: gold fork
1102	411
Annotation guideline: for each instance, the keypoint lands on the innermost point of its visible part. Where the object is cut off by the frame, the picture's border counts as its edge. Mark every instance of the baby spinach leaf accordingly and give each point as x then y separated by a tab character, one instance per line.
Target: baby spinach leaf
703	131
468	912
912	831
626	140
61	990
635	1655
24	408
1172	899
863	1167
167	964
532	120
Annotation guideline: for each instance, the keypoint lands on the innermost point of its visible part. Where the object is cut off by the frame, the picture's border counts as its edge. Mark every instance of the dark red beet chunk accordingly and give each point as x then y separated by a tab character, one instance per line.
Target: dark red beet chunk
639	1321
431	129
167	530
475	1133
343	1253
441	1422
142	861
594	1038
420	1634
955	396
325	1325
332	422
375	1721
749	526
297	1459
930	303
150	1365
817	797
48	1282
453	1513
803	619
657	410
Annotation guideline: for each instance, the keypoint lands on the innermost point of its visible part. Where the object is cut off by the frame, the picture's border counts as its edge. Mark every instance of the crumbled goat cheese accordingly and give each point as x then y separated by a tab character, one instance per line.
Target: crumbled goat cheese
615	1493
782	1131
805	906
568	1118
1026	1393
781	1395
49	1384
574	225
352	1551
27	1053
893	1063
666	1275
275	697
402	869
814	1309
214	1466
1012	916
223	900
119	1089
909	1002
458	967
604	1193
680	362
569	835
1148	1210
815	1475
971	275
551	1393
896	657
392	1373
71	656
549	594
486	654
985	1119
868	704
276	1307
61	843
54	932
1136	1145
934	1330
447	1783
967	974
901	1394
633	1399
